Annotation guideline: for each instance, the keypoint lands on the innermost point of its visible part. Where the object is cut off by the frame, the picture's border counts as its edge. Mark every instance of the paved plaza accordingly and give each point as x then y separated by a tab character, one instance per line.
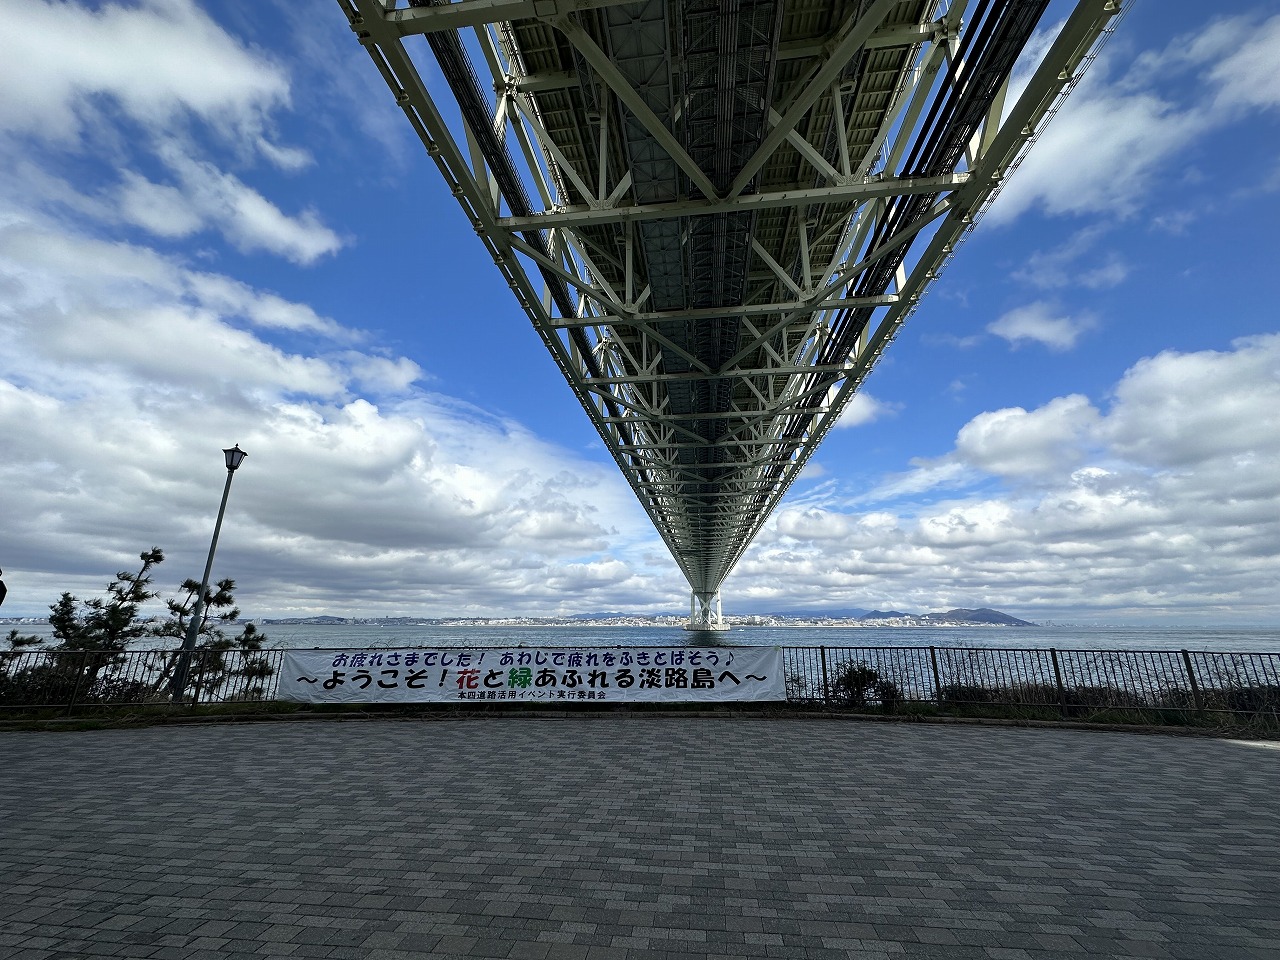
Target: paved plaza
636	836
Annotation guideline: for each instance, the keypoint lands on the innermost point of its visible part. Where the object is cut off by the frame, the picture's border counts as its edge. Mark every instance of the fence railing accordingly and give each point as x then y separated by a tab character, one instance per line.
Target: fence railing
84	678
1071	682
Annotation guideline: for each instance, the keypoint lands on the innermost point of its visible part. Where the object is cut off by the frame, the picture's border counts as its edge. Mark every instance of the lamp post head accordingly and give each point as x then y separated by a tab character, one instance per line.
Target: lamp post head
235	456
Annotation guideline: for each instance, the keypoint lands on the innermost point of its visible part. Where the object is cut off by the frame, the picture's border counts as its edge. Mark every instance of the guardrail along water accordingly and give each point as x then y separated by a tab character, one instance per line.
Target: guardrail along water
1072	682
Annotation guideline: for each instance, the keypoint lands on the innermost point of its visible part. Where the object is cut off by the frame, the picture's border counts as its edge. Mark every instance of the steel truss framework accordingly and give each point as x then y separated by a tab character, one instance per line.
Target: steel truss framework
717	215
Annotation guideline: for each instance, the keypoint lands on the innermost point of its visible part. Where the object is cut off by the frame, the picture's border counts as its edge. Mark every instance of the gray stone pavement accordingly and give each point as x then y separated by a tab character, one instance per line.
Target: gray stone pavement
632	836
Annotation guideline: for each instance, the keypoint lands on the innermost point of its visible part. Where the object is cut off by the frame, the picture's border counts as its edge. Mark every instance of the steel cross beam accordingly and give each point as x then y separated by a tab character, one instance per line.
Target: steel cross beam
716	225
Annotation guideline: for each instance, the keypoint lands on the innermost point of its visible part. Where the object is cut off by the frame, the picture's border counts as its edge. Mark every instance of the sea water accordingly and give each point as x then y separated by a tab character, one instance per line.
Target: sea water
365	635
1081	638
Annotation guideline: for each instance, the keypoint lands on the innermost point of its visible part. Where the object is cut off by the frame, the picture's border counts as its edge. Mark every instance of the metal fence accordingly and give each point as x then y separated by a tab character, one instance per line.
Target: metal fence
78	679
1073	682
1070	682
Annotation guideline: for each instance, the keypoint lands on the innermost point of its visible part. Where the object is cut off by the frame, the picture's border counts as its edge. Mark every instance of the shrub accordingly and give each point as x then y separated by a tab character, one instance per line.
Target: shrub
858	685
967	693
797	687
1107	696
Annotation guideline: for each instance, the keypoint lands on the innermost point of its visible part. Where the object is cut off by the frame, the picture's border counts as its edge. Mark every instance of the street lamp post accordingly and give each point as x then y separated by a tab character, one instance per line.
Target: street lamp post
177	689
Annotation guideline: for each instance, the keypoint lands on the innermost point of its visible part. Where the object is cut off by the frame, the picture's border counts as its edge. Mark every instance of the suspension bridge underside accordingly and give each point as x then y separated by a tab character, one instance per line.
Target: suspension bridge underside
717	213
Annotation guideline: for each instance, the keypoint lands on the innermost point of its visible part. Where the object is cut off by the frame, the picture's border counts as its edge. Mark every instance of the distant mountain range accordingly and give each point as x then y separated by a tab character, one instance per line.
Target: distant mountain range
843	613
958	615
982	615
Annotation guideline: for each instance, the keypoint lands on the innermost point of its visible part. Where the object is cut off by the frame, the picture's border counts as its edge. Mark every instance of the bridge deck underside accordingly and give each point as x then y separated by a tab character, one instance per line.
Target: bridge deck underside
737	204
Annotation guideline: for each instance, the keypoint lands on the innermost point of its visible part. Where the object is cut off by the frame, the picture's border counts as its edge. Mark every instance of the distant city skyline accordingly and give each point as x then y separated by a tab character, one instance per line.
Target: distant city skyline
216	228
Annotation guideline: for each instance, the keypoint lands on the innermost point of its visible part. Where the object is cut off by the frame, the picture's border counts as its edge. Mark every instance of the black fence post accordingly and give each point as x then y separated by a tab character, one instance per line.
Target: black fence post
1191	678
198	658
937	677
826	691
80	672
1057	679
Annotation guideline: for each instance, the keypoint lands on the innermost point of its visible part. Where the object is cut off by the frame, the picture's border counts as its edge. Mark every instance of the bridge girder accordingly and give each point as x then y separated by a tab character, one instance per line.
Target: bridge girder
736	205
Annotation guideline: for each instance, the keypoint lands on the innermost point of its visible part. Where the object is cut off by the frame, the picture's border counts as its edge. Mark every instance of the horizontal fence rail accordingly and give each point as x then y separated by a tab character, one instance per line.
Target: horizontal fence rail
1075	682
1072	682
86	678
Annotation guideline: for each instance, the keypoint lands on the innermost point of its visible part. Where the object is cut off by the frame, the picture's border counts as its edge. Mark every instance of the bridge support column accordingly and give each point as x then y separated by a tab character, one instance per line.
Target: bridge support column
706	613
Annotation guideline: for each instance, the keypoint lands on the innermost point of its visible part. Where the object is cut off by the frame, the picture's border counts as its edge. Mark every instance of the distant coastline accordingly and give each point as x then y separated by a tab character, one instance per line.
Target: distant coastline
870	619
982	617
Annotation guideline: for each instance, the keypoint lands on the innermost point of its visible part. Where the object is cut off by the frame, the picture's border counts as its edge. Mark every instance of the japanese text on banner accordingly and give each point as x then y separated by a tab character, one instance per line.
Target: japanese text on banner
621	675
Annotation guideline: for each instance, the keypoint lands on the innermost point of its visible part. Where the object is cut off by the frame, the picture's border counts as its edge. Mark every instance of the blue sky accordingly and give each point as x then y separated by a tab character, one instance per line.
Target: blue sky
216	227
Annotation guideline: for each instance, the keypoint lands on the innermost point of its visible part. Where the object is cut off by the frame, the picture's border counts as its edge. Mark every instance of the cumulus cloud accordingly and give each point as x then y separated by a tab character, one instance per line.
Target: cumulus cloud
863	408
1165	500
1039	323
146	85
129	357
154	61
122	371
1197	410
1128	136
1121	129
1016	443
50	269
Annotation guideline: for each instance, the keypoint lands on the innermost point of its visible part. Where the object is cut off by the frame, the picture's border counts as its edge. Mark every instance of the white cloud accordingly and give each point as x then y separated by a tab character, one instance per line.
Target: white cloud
159	209
233	298
1013	442
155	61
864	408
383	375
246	218
926	475
951	340
51	270
1119	131
1039	323
1168	501
1098	155
133	85
1061	267
1107	275
208	197
1245	67
123	371
1200	410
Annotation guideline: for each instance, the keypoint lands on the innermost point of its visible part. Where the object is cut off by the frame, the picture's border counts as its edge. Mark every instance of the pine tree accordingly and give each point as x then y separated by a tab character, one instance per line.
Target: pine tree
218	658
107	624
91	637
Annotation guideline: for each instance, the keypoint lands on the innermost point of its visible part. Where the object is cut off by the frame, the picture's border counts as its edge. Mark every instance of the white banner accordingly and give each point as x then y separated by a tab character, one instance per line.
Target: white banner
523	675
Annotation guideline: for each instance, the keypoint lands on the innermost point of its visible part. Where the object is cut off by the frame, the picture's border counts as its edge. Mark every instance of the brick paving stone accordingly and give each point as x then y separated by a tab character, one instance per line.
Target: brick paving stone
631	836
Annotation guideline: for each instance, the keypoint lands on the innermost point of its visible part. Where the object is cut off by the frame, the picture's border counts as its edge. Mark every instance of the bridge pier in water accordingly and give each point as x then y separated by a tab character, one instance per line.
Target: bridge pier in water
706	613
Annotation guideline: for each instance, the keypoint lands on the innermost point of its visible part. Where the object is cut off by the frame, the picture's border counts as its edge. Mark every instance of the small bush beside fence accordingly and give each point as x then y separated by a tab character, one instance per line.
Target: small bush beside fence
84	678
1070	683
